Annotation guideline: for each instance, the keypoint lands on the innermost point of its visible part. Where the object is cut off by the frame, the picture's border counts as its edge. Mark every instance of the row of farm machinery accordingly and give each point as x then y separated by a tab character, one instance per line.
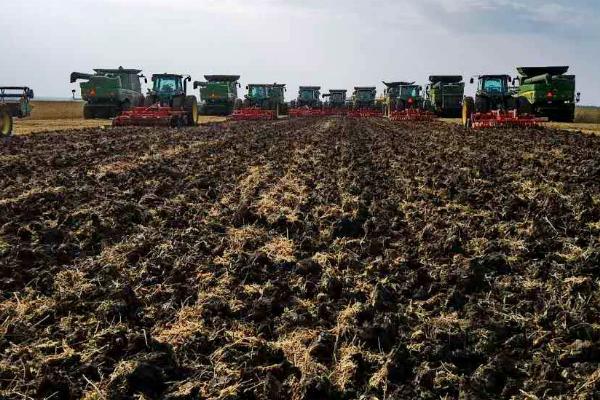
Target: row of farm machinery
538	94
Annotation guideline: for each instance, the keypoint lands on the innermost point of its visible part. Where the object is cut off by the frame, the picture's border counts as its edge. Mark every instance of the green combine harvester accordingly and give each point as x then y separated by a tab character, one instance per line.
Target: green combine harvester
550	92
262	102
308	103
364	103
336	100
218	95
444	95
109	92
14	103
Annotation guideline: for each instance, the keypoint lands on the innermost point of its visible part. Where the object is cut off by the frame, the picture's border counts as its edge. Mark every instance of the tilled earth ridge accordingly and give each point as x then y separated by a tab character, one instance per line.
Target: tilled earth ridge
302	259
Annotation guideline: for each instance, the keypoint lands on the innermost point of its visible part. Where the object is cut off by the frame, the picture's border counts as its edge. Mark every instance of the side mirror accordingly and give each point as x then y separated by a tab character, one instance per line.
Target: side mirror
73	91
239	85
246	87
472	81
144	77
188	79
578	98
30	94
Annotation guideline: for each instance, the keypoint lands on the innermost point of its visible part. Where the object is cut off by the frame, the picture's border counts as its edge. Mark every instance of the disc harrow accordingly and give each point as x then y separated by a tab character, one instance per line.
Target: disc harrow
254	114
302	112
411	114
155	115
364	113
504	119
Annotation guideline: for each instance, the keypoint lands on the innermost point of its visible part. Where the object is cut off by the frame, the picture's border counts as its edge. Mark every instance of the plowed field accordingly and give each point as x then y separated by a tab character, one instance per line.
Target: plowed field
301	259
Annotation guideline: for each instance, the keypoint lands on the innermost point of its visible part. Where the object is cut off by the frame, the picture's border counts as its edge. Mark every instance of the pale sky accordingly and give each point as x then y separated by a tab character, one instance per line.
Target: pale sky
335	44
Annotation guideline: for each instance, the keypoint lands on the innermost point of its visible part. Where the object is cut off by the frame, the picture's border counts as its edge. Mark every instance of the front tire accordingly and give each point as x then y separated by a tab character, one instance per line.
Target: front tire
467	112
191	108
6	123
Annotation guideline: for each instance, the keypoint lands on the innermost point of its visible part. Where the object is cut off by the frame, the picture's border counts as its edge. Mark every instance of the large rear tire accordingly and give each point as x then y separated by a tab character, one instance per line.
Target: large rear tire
6	122
467	112
191	108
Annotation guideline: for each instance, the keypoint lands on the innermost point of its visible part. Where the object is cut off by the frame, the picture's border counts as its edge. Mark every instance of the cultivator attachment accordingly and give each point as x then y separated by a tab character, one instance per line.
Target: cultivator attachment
301	112
364	113
155	115
254	114
412	115
504	119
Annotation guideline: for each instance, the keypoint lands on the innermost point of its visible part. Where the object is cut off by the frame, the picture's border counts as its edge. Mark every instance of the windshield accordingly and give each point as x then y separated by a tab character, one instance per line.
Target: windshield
493	85
364	95
337	97
167	85
409	91
309	94
258	91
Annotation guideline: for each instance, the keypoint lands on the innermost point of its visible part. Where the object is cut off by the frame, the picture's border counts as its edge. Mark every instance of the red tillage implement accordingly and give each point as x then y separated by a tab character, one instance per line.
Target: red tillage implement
500	119
365	113
300	112
254	114
155	115
412	114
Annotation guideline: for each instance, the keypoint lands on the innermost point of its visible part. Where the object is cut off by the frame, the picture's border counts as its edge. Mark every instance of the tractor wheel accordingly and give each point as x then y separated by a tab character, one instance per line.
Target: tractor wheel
467	111
524	106
6	122
191	108
88	112
400	105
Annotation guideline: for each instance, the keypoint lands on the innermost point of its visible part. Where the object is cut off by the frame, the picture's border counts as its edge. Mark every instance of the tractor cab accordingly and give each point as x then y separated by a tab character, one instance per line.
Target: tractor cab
16	100
495	91
309	93
166	87
257	92
337	97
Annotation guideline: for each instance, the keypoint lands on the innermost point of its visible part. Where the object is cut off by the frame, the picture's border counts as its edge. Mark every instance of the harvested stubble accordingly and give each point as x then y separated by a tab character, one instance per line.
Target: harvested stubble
300	259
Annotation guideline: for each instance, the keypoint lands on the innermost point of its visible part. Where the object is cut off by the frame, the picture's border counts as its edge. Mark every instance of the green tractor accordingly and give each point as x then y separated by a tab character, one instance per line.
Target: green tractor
218	95
336	99
400	96
109	92
496	104
166	104
364	97
549	91
14	102
308	96
444	95
263	101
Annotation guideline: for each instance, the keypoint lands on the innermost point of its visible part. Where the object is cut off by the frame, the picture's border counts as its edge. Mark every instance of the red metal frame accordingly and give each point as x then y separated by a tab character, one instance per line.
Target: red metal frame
498	119
364	113
155	115
253	114
412	114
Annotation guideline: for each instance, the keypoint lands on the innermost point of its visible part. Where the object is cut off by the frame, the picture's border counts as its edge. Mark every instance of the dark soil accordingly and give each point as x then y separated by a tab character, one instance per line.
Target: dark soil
301	259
